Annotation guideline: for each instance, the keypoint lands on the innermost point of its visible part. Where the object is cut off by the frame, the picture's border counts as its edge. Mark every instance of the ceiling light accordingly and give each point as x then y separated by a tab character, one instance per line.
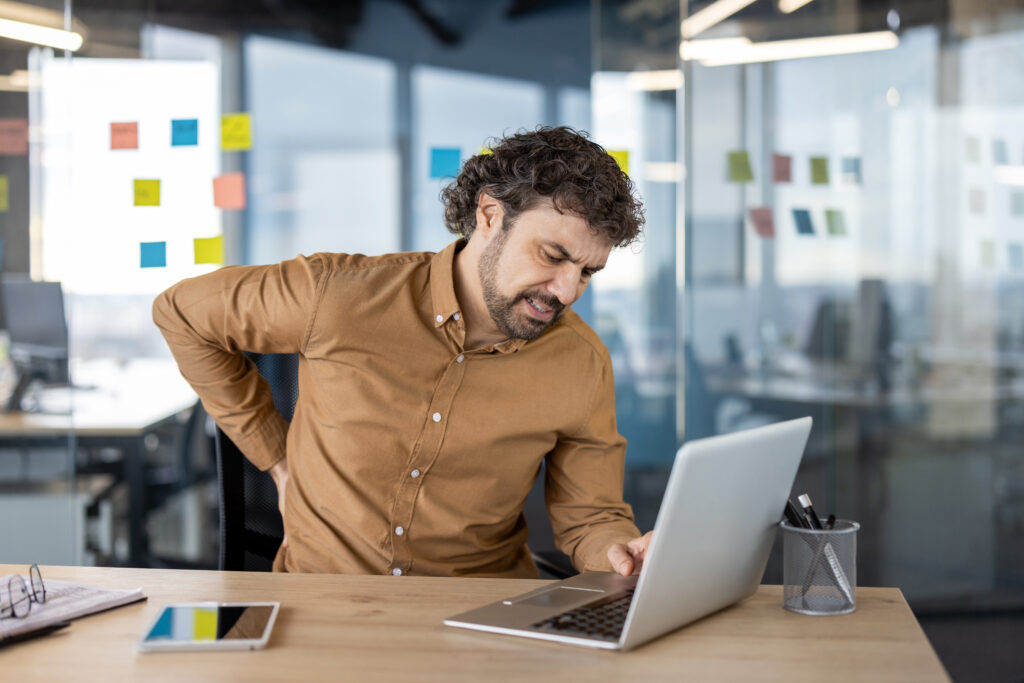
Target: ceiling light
41	35
787	6
710	48
701	21
806	47
669	79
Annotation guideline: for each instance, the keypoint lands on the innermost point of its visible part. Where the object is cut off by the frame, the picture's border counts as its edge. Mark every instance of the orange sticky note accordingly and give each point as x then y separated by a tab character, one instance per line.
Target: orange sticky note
124	135
210	250
14	137
229	191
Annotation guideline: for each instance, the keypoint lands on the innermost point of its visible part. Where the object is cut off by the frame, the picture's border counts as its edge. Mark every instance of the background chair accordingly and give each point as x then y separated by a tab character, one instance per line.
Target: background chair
250	523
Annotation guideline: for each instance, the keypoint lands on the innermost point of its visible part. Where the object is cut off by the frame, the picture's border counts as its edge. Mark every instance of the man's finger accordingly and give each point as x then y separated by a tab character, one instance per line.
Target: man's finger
621	559
284	541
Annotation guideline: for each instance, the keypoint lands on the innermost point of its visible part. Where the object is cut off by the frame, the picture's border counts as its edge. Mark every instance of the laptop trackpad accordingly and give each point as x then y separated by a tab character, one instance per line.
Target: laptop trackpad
561	597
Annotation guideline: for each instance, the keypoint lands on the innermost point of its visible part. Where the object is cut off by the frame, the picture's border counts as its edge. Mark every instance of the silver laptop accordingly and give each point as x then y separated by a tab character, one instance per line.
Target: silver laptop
711	542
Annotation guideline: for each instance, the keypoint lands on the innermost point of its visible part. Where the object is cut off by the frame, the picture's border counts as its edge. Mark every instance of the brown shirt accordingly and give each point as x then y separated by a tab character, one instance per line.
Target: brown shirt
406	451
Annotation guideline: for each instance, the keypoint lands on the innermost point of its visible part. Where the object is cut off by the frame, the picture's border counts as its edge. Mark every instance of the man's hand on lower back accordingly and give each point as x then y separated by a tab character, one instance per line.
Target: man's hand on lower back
627	558
279	473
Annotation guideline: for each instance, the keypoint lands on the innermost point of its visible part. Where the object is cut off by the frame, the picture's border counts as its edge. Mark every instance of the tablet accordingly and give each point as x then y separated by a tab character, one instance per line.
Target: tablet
210	626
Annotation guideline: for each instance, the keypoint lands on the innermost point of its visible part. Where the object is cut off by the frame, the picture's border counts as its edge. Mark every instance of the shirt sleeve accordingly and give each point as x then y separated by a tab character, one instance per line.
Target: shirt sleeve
209	321
583	485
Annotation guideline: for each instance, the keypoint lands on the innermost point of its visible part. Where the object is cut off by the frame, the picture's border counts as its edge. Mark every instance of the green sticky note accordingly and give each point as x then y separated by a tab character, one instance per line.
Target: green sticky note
621	157
973	150
739	167
147	193
988	253
834	222
1016	202
819	170
210	250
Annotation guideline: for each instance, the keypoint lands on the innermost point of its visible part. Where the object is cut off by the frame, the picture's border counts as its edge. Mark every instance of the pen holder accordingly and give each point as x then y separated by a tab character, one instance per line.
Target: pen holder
820	568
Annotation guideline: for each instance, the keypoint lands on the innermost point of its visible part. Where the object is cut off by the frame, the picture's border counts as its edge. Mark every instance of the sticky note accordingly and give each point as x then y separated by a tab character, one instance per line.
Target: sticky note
972	149
484	151
621	157
851	170
204	623
13	137
999	155
5	194
235	132
1016	256
988	253
739	167
124	135
802	218
834	222
210	250
184	132
976	200
763	219
782	168
1017	202
153	254
445	162
229	191
819	170
147	193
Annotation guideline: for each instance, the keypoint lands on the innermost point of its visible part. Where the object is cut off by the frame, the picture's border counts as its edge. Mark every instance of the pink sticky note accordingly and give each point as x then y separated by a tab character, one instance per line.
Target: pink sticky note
763	219
14	137
781	165
124	135
229	191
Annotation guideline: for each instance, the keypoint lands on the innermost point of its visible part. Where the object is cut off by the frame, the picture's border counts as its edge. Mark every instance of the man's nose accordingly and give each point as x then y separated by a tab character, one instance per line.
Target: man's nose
565	286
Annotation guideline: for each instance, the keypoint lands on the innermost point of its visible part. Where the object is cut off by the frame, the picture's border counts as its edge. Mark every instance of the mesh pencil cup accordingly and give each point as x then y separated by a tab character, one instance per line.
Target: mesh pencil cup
820	568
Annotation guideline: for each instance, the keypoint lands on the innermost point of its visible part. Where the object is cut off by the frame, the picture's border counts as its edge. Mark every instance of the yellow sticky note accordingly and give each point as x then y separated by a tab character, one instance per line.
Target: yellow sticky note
204	624
147	193
235	132
621	157
484	151
210	250
5	194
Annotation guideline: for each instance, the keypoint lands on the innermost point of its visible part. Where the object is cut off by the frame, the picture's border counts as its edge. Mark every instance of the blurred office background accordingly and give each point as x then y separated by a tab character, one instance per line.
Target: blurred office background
835	205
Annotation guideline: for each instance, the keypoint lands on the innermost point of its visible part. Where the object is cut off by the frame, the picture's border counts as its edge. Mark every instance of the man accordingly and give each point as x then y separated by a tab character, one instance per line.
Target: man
433	386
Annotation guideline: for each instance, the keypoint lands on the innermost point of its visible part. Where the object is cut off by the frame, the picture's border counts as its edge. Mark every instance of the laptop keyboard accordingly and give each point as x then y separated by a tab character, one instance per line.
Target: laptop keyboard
602	619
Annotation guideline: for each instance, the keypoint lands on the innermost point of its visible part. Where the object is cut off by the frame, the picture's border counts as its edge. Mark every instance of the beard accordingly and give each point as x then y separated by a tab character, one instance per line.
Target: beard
501	308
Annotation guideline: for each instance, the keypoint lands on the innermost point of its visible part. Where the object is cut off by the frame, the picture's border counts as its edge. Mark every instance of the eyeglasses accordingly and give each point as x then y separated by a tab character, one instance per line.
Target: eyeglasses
19	599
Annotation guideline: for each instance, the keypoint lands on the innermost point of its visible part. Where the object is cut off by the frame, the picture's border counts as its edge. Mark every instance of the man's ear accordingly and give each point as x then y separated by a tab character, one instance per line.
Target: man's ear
489	215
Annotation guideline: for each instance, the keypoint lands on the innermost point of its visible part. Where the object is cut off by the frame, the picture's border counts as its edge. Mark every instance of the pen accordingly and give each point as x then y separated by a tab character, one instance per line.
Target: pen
812	516
830	522
792	516
28	635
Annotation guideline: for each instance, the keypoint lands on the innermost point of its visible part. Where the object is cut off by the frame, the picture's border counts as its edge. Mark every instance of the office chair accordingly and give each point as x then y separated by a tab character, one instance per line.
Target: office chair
250	523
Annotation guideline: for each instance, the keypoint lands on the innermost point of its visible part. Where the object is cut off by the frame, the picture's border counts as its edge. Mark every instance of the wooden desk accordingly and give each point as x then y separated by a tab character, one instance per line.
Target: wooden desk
382	628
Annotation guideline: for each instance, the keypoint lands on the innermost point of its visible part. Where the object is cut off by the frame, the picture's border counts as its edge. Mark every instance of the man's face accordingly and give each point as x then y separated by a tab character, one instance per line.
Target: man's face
532	271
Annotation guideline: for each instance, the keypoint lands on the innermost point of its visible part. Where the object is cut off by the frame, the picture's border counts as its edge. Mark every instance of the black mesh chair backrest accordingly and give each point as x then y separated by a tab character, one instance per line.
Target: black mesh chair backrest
250	523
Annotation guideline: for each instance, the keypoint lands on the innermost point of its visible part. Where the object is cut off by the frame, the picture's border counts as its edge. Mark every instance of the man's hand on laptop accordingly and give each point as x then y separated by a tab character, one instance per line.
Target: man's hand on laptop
279	473
628	558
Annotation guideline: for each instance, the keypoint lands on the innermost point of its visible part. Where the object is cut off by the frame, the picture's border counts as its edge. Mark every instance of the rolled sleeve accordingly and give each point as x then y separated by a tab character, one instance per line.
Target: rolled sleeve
583	485
209	321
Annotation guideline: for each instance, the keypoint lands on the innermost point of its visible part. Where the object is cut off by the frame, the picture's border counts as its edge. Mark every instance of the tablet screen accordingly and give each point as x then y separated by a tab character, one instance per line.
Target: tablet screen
208	623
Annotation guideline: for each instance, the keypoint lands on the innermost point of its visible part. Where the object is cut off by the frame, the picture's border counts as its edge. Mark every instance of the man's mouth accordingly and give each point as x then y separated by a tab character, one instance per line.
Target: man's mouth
541	310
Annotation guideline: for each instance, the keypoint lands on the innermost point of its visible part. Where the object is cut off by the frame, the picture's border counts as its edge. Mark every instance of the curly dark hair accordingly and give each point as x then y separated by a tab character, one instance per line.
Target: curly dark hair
559	163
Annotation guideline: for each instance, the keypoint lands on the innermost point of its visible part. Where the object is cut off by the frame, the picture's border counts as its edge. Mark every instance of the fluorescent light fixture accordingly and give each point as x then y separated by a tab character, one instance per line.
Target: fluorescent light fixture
709	16
711	48
788	6
806	47
668	79
1009	175
664	172
41	35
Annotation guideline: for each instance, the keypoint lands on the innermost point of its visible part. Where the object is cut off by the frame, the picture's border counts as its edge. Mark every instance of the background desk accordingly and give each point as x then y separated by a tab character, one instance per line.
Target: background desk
389	628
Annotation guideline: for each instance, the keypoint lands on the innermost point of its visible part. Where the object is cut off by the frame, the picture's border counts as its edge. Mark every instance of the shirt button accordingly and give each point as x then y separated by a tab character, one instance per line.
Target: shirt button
399	531
456	316
436	417
396	572
414	474
440	318
460	358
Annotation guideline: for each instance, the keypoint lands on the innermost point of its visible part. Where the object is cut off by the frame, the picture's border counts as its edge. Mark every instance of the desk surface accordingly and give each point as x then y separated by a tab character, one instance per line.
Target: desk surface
389	628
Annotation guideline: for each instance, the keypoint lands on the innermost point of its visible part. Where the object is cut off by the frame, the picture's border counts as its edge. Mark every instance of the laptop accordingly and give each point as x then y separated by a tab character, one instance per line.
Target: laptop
711	542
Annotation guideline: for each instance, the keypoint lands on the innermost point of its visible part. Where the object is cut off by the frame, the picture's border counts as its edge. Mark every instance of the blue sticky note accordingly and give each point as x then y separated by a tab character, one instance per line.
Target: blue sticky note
804	226
154	254
444	162
851	170
184	132
999	155
1017	256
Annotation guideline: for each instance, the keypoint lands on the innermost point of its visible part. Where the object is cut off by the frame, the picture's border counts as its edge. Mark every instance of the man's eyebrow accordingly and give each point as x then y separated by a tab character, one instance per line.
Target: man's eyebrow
563	252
